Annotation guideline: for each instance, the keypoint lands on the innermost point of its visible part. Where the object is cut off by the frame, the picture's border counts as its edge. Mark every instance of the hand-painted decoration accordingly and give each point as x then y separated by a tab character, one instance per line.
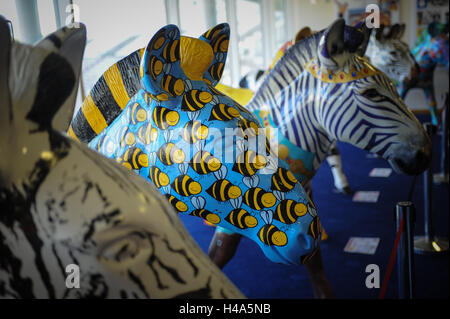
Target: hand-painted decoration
74	224
202	150
432	51
364	110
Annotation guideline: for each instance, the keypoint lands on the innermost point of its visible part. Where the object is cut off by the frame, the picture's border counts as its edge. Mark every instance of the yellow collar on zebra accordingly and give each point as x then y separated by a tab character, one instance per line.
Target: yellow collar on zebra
313	67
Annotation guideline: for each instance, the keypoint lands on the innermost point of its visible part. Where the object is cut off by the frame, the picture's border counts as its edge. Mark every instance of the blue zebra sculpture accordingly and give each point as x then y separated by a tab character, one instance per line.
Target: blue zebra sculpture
202	150
74	224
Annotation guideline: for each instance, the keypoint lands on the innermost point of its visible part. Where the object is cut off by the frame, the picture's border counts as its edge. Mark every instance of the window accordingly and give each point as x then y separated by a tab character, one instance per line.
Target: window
198	16
250	35
116	28
279	13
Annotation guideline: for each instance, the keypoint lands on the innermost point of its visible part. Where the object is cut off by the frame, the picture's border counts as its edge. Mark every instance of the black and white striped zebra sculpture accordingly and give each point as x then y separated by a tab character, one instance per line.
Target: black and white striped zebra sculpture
322	90
64	207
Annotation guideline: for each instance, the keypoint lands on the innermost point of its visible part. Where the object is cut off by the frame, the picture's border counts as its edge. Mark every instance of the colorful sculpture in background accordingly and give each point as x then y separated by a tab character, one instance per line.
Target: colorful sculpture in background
202	150
322	90
431	51
74	224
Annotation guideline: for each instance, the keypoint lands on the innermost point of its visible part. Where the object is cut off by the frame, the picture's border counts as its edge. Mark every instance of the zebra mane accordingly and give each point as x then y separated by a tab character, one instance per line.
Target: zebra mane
291	65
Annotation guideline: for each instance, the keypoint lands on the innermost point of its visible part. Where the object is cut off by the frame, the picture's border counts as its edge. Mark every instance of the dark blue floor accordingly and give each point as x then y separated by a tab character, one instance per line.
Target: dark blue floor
257	277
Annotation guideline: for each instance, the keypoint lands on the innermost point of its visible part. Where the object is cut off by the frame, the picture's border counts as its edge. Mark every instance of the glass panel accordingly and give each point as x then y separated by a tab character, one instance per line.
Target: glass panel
197	16
280	23
8	10
250	35
116	28
47	19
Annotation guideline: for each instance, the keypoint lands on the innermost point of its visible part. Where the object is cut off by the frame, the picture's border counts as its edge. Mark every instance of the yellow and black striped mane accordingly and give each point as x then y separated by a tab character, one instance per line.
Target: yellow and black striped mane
107	98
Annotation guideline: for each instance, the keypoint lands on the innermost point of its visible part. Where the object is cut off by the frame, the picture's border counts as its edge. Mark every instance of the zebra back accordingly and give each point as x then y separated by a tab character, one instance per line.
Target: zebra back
108	97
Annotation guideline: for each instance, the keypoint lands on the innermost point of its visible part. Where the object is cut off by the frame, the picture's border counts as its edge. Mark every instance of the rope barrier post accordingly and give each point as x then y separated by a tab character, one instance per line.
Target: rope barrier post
405	254
442	177
429	244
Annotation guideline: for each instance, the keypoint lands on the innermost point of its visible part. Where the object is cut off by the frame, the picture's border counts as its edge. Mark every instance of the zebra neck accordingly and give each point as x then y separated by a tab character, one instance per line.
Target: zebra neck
289	94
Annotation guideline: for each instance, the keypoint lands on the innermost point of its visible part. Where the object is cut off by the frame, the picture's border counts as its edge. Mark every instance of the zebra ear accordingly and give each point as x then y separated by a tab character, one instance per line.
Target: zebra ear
394	32
361	51
379	33
401	31
58	78
218	38
161	56
302	34
331	45
5	50
68	43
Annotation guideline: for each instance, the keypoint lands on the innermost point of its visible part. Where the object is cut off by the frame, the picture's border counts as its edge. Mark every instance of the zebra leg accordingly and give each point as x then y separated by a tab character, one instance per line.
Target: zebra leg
431	100
316	273
223	246
340	180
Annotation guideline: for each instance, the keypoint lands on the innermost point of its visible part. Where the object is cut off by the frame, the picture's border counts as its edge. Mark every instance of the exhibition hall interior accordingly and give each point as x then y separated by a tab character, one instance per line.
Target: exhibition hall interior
261	149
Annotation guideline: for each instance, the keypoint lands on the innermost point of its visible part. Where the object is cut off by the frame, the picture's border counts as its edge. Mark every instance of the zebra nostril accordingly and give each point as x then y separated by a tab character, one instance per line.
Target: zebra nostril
422	160
415	164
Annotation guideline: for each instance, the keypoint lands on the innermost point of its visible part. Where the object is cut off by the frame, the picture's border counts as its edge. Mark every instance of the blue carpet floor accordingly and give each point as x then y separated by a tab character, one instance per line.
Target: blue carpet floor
342	218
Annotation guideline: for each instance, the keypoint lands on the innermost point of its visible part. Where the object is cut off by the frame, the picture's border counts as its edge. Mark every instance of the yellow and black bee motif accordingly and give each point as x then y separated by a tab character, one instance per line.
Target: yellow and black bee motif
194	131
203	163
155	67
186	186
137	114
216	70
171	52
126	138
283	180
241	219
164	117
258	199
315	228
213	32
147	133
172	85
158	40
249	128
214	90
134	158
223	190
158	177
267	145
272	236
249	162
176	203
195	100
289	210
222	112
170	154
206	215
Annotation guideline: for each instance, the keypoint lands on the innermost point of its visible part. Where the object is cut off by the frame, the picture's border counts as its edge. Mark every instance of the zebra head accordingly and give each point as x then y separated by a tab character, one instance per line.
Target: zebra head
359	104
388	53
37	94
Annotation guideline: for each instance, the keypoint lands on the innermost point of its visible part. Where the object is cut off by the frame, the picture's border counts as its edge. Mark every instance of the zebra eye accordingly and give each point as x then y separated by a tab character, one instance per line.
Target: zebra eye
370	93
393	53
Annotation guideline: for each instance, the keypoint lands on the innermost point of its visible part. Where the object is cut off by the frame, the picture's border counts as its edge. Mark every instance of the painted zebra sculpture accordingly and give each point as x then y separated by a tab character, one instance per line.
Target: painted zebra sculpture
390	54
322	90
202	150
67	211
253	80
431	51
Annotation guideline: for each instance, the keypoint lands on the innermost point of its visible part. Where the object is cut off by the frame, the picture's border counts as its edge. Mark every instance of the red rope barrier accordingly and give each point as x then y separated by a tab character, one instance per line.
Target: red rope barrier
391	260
